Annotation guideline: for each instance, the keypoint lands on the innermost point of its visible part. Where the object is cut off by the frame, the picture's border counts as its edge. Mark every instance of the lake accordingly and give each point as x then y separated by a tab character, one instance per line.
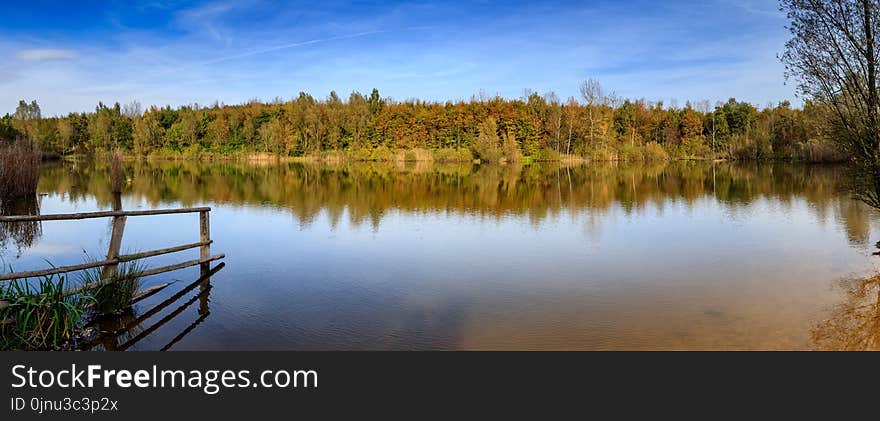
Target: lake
681	255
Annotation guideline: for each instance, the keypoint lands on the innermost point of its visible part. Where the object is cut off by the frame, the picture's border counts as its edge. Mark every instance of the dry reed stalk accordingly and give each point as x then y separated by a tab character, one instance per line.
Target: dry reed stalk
19	170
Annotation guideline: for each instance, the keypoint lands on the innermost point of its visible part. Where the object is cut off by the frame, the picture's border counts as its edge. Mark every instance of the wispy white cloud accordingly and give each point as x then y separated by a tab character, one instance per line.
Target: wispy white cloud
765	8
208	19
290	45
44	54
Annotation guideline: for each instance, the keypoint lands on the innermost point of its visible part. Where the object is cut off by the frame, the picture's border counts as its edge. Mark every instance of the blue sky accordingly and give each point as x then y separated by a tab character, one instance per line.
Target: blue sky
70	55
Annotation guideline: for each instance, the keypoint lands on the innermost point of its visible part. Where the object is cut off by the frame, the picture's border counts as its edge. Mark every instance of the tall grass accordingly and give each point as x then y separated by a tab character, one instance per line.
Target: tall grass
19	170
39	315
114	295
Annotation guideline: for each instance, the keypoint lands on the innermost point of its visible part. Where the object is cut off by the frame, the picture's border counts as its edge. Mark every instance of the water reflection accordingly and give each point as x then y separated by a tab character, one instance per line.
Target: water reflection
19	235
684	255
367	191
120	332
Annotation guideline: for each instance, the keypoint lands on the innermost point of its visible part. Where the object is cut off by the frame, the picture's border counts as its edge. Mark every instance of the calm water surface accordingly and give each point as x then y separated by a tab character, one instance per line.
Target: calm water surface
381	256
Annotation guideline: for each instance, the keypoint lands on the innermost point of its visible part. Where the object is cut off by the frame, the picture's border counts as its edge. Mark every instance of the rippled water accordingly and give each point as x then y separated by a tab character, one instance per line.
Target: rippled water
419	256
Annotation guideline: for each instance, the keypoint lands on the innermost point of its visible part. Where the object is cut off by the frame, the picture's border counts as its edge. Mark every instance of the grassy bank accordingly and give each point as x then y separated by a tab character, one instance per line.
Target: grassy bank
48	313
40	315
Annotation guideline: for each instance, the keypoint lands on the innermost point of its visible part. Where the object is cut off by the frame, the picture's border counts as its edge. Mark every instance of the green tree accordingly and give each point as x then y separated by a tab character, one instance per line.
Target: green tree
487	145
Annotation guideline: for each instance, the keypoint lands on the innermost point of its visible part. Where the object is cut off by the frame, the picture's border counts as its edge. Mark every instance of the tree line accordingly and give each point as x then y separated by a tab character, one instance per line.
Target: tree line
544	127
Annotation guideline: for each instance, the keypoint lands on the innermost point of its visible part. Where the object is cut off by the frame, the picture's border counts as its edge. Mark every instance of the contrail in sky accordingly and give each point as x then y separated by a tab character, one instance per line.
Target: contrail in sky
286	46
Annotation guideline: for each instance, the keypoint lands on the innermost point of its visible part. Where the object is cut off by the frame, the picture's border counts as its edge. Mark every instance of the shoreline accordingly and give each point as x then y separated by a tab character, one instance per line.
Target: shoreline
400	156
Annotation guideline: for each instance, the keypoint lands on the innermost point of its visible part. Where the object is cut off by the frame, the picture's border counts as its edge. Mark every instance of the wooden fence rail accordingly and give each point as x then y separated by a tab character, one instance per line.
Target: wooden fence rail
100	214
113	259
121	259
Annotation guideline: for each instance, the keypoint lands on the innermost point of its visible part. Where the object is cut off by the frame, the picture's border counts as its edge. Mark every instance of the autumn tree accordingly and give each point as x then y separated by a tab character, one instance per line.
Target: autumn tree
832	53
690	126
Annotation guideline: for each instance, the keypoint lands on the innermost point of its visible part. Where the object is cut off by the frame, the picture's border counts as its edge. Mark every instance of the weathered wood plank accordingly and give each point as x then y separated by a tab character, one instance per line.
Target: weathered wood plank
145	254
145	293
205	238
73	268
178	266
93	285
100	214
114	247
53	271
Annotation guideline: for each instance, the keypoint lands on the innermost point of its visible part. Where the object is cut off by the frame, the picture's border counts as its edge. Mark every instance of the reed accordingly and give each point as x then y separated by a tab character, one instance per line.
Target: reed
19	170
114	295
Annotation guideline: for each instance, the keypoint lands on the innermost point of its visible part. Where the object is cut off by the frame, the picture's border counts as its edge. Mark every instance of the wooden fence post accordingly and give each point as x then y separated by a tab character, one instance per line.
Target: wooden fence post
204	253
205	239
110	271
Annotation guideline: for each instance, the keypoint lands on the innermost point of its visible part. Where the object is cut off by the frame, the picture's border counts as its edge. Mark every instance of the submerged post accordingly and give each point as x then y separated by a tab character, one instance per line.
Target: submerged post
205	239
110	270
204	253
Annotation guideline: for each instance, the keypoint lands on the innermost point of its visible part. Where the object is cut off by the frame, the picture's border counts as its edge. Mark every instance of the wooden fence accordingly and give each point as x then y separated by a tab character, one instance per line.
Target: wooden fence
111	263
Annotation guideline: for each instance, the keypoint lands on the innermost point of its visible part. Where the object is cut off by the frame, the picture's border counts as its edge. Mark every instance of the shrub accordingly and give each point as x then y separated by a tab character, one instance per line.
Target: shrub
193	151
628	152
359	154
382	153
655	152
417	154
693	149
453	155
545	154
163	154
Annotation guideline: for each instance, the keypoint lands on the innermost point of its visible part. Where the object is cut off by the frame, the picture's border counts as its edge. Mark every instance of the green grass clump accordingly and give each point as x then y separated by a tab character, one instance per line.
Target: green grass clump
114	295
42	314
39	315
